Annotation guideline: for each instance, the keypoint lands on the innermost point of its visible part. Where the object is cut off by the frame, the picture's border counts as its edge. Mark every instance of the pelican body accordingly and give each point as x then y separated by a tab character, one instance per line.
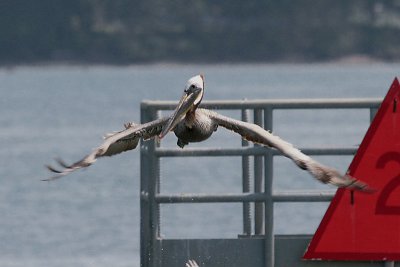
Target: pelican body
196	127
193	124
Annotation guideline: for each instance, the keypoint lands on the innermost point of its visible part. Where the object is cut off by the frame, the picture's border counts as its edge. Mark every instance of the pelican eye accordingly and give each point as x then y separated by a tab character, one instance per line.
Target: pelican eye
189	90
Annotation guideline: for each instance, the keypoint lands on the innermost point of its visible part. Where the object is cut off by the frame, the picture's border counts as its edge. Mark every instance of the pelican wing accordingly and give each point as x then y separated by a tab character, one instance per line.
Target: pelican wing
256	134
113	144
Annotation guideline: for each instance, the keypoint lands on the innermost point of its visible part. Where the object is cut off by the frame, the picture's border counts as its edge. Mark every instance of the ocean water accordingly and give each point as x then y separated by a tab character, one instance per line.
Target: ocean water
91	218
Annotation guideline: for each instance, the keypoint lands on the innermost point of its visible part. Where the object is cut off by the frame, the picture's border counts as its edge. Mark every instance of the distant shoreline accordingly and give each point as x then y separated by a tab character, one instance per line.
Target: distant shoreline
347	60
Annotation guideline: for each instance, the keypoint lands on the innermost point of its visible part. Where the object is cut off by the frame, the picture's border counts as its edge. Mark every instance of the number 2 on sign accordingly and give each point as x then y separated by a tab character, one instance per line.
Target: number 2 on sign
381	205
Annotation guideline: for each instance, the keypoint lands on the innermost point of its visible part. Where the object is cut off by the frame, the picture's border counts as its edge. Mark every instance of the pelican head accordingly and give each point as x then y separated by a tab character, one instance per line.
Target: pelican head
191	98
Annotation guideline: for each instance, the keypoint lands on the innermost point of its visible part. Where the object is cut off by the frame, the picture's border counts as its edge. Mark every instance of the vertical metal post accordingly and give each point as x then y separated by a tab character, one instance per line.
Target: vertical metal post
144	194
148	184
156	206
268	190
258	183
246	182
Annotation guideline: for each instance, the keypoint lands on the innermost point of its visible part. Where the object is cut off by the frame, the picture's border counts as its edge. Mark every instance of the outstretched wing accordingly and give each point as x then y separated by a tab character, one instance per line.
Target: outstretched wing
113	144
256	134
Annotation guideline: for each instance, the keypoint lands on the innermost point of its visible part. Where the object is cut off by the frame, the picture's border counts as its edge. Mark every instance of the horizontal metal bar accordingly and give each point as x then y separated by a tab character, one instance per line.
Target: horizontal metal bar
208	198
278	196
246	151
334	103
303	196
209	151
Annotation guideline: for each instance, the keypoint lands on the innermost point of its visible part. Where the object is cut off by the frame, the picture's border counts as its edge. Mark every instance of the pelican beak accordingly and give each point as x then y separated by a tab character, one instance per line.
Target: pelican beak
188	102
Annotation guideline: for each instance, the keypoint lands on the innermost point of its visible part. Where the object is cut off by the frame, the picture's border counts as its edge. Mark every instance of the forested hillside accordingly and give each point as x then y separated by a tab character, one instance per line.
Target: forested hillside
129	31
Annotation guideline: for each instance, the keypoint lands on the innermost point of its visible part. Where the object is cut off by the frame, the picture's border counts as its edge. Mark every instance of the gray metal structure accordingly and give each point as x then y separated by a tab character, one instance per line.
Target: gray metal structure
261	248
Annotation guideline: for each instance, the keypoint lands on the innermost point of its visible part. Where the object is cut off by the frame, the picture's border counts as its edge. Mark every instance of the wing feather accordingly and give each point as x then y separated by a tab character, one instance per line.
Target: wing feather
257	134
113	144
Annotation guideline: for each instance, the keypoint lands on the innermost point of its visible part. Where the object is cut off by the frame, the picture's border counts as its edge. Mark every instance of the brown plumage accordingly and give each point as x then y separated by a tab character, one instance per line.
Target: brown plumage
192	124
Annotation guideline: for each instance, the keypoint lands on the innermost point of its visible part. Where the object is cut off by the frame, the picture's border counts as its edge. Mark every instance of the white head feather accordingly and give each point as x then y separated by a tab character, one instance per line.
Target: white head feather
198	82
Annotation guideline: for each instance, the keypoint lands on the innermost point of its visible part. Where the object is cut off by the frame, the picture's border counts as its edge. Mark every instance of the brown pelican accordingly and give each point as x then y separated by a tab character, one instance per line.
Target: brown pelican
193	124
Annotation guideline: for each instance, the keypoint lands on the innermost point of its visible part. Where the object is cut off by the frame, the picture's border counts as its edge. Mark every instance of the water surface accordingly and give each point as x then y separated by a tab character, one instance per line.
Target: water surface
91	218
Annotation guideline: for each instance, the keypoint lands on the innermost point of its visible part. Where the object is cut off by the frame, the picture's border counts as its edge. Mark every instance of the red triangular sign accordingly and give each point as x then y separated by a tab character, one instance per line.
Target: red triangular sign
359	226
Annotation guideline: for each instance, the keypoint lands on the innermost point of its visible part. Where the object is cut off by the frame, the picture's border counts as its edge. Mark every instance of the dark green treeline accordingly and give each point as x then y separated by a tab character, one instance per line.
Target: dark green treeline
129	31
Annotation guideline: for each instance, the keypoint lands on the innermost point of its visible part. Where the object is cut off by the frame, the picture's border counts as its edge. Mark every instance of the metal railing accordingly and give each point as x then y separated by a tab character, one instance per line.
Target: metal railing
263	196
